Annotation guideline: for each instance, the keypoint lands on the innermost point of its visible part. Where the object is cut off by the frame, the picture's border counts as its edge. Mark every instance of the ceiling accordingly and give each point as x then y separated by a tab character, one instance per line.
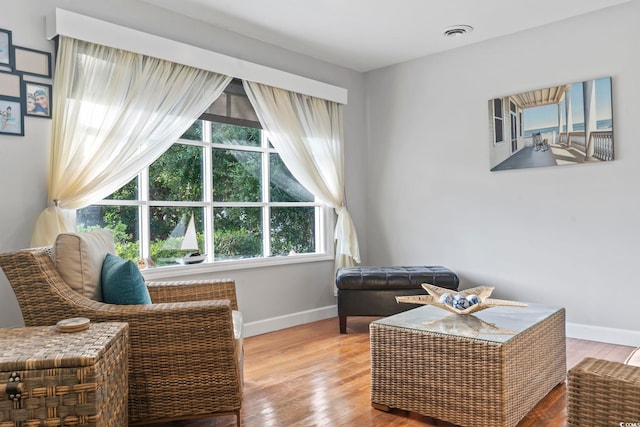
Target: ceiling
364	35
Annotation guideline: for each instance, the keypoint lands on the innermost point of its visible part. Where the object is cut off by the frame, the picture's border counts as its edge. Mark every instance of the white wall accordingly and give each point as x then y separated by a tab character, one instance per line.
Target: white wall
269	297
563	235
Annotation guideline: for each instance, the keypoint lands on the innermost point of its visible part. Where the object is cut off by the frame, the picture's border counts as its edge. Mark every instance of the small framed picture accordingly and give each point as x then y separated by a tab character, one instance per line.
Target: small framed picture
6	59
37	98
10	84
11	116
31	61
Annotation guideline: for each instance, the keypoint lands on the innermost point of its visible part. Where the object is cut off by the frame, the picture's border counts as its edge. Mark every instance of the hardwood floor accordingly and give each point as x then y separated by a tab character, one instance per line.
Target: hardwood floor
311	375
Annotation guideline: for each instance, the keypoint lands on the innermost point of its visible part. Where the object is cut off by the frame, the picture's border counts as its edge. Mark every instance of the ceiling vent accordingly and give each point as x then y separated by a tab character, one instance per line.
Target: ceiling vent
457	30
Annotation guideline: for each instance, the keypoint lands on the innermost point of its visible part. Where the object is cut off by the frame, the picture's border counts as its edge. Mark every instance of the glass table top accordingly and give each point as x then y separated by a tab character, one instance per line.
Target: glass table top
495	324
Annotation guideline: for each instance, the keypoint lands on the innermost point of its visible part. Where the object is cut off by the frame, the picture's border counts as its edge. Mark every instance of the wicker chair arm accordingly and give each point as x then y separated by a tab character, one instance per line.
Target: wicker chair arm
162	326
162	311
169	315
180	291
602	392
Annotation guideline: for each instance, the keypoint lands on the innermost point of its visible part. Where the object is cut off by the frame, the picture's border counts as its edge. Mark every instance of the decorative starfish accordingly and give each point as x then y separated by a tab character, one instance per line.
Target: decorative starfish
482	292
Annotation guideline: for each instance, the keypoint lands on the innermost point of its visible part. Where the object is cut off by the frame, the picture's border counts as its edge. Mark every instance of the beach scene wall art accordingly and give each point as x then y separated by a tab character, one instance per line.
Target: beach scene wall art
561	125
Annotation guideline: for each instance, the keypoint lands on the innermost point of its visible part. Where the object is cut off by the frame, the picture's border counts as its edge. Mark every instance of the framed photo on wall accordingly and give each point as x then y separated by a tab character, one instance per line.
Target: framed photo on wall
10	84
11	116
37	99
6	59
31	61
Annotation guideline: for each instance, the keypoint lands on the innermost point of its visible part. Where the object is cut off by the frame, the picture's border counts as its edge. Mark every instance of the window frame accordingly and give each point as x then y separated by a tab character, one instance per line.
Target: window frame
498	121
324	217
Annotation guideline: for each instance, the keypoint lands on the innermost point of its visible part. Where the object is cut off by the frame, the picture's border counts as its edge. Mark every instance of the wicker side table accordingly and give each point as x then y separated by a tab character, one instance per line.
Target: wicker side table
76	378
488	369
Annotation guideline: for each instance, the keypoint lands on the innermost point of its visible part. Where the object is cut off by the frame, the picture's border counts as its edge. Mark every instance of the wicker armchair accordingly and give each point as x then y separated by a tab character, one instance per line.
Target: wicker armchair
603	393
184	361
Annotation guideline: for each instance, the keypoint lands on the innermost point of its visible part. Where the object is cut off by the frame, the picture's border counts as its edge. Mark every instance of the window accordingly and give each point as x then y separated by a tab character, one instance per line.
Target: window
225	175
514	126
497	121
520	123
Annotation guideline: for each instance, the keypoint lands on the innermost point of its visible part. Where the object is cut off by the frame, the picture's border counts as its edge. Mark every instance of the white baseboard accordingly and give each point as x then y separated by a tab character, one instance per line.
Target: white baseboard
602	334
289	320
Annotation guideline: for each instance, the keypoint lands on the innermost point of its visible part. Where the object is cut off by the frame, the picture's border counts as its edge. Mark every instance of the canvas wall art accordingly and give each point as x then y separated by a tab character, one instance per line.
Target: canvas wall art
561	125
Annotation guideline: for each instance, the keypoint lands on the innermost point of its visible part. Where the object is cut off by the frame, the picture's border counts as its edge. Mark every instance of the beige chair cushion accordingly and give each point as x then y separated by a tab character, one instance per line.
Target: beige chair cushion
238	334
634	358
78	258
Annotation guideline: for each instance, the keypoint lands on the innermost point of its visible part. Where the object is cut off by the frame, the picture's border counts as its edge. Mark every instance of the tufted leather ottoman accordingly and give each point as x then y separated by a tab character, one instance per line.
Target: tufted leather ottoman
371	291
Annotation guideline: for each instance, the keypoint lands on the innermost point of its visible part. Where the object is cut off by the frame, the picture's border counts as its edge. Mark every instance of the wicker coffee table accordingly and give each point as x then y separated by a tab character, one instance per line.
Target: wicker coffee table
486	369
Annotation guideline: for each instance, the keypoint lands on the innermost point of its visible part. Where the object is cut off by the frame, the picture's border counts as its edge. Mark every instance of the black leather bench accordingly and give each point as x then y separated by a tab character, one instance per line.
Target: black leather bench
371	291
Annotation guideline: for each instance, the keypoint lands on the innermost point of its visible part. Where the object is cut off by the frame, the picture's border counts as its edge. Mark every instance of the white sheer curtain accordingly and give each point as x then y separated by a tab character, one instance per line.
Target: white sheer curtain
114	113
307	132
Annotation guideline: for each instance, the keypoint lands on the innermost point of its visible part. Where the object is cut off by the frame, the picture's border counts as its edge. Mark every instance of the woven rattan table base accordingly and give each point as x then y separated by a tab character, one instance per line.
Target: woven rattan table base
467	381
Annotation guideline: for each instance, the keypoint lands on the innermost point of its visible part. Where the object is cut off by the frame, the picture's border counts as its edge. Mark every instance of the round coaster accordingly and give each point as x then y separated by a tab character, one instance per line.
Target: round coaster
74	324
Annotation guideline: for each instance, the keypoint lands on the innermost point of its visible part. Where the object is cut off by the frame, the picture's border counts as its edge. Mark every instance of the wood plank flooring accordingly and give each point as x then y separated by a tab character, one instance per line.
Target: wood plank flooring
311	375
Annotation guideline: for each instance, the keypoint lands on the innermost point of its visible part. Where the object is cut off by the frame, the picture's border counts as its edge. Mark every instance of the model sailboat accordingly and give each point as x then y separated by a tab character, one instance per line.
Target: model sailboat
190	244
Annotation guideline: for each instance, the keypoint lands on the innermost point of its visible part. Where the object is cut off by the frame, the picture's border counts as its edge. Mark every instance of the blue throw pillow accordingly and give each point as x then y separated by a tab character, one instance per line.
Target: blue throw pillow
122	282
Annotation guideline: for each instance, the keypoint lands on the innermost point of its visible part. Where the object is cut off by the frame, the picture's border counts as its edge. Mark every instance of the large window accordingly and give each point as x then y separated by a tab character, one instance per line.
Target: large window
226	176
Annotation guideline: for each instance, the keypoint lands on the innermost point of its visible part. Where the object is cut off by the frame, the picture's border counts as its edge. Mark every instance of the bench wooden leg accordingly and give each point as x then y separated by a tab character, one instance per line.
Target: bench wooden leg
343	324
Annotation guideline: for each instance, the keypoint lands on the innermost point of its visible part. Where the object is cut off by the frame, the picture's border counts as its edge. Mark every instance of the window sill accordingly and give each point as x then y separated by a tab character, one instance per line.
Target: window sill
180	272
